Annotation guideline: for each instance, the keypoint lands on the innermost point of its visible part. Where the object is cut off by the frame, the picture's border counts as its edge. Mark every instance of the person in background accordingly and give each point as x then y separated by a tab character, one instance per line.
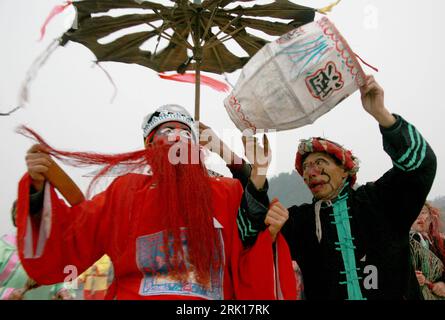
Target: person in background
428	253
96	279
15	284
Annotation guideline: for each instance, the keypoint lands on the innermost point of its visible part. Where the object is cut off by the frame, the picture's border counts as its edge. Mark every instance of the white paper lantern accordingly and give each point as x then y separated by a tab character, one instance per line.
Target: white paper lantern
296	79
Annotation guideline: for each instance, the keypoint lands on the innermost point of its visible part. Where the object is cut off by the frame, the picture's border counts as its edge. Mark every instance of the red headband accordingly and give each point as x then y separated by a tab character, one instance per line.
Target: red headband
346	158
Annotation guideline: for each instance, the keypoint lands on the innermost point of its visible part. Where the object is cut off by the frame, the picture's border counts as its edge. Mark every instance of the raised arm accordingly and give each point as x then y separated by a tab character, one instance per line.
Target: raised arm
55	235
373	101
402	191
255	202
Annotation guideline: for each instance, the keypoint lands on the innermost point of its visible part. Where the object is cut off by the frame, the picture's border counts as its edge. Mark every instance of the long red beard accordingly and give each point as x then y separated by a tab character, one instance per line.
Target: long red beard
185	196
186	199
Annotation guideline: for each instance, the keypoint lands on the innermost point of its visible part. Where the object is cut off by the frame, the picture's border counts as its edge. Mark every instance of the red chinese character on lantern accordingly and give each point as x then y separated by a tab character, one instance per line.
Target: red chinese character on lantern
323	83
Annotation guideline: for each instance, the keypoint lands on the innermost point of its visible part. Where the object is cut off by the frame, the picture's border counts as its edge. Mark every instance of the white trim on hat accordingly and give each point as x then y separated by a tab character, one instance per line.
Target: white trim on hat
168	113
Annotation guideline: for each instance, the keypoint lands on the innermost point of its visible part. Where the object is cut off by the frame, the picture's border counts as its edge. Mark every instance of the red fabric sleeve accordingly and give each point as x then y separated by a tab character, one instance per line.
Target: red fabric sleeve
76	238
262	278
254	276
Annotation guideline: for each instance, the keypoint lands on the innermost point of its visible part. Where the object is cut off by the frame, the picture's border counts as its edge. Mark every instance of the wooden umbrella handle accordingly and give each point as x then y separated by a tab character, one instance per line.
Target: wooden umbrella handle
62	182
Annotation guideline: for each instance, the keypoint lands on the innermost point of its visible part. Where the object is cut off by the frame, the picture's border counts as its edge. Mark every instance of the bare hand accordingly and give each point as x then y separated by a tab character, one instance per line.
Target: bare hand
420	278
439	289
38	162
207	136
17	294
63	295
259	156
210	140
31	284
276	218
373	101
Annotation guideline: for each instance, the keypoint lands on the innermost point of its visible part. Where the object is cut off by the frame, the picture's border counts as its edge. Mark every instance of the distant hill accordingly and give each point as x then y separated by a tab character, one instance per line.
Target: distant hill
439	203
290	189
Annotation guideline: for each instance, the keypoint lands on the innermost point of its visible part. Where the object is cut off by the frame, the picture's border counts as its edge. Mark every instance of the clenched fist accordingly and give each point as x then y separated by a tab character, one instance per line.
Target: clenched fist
38	162
276	218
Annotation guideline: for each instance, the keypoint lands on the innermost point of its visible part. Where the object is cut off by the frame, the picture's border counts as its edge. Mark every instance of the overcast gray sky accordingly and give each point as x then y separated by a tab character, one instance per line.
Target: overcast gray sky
70	100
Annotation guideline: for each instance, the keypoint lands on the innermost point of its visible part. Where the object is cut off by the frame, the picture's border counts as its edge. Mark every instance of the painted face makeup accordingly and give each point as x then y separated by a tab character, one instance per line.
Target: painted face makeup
323	175
169	133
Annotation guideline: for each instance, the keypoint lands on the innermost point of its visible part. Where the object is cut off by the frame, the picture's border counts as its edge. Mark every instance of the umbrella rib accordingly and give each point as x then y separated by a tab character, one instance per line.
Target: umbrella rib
160	32
209	23
260	11
159	40
225	38
187	44
166	36
218	58
214	37
189	25
230	35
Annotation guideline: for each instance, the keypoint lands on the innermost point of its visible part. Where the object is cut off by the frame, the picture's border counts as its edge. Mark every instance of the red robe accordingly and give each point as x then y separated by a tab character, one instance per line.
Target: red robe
123	222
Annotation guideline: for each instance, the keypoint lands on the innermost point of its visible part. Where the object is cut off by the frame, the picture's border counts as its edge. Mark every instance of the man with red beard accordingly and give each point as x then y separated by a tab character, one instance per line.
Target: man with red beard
171	234
353	243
